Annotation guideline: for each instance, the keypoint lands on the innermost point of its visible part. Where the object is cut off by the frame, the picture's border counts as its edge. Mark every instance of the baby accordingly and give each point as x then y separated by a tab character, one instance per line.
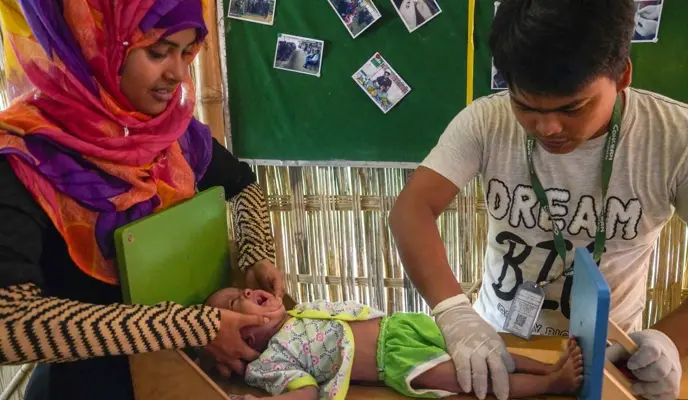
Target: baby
316	349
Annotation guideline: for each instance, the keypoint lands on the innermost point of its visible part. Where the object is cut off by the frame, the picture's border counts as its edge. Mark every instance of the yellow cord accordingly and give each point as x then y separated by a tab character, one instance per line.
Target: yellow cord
470	53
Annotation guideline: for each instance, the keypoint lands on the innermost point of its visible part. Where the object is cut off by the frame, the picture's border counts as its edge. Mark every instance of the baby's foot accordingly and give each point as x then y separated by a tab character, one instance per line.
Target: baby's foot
570	345
568	376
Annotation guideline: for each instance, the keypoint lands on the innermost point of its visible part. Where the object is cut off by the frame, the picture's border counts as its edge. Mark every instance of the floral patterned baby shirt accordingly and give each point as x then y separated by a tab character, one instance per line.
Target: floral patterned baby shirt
314	348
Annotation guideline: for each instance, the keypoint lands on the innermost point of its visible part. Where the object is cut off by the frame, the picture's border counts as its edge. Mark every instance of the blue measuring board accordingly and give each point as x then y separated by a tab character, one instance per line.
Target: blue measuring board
590	301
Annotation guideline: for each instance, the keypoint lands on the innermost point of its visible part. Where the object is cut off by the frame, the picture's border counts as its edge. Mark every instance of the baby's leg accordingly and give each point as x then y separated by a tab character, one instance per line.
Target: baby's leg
534	378
442	377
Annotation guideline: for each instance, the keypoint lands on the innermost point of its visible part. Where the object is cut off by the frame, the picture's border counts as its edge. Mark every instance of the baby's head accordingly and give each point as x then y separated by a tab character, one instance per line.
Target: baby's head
252	302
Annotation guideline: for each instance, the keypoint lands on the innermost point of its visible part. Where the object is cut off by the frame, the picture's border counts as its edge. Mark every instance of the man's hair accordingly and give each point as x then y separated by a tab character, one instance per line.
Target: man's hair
558	46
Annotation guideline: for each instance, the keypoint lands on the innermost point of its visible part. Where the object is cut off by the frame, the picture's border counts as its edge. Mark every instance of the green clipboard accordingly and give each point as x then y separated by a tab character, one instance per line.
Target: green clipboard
180	254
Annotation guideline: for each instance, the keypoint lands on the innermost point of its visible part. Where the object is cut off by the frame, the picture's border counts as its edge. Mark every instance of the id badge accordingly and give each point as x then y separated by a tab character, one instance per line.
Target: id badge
525	309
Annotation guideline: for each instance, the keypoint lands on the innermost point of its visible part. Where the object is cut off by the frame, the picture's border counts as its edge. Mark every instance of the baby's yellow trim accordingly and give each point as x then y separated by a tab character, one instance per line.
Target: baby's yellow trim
302	382
319	314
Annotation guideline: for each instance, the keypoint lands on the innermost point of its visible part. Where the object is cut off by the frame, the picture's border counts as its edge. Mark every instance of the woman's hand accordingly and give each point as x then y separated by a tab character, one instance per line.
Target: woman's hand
228	348
264	275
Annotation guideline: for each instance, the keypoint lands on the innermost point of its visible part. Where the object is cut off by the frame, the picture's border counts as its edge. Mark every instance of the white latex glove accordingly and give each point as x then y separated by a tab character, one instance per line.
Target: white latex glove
475	348
656	365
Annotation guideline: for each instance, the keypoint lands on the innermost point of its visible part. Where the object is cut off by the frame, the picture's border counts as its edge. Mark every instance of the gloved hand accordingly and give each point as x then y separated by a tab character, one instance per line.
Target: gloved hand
656	365
474	346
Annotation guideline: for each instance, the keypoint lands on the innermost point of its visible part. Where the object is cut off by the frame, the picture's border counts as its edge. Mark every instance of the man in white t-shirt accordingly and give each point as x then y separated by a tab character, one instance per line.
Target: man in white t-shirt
569	73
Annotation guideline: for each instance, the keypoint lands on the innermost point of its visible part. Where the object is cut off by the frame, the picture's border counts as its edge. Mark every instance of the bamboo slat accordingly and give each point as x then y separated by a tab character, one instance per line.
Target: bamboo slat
212	94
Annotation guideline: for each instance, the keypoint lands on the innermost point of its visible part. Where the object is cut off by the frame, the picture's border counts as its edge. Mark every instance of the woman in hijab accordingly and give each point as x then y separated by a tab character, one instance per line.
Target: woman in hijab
106	136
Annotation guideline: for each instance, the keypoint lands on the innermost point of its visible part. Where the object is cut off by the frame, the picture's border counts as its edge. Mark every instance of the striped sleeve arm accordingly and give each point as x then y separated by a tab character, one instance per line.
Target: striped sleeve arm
252	227
34	328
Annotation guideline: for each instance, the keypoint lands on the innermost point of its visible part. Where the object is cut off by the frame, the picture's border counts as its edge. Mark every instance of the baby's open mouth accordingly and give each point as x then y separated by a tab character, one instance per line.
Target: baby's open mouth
260	300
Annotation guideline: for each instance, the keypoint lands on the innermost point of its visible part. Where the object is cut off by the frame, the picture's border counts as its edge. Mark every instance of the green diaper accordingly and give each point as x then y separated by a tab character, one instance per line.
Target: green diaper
409	344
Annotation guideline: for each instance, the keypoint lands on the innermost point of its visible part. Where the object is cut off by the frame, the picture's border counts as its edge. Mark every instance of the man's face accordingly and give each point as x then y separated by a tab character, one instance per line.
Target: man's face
562	123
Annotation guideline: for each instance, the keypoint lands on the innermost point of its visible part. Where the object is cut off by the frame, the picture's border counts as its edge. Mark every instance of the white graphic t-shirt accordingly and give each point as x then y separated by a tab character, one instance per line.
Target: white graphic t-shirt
649	180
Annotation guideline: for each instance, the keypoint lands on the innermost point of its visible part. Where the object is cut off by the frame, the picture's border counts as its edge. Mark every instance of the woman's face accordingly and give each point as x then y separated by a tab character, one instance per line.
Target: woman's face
151	75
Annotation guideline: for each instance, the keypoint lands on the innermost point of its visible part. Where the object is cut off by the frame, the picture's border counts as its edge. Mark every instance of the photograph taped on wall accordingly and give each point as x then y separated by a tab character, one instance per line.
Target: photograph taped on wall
496	81
381	83
647	19
356	15
299	54
416	13
259	11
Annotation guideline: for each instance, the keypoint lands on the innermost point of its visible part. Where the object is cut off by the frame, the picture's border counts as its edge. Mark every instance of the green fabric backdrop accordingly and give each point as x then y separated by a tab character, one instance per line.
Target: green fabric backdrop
281	115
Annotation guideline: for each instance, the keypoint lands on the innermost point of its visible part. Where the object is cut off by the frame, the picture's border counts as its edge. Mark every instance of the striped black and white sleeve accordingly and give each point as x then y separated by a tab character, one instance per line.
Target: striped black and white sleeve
252	227
34	328
251	220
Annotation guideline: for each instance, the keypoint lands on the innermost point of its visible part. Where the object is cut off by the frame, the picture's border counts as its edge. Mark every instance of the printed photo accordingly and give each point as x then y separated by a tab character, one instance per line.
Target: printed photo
416	13
299	54
356	15
259	11
382	84
647	17
498	83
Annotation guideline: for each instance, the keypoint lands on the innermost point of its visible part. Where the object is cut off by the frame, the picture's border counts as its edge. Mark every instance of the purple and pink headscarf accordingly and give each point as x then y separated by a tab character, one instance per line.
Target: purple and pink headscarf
90	160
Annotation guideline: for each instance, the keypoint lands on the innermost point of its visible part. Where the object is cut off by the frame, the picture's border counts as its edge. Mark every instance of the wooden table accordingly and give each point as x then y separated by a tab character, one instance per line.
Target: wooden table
170	375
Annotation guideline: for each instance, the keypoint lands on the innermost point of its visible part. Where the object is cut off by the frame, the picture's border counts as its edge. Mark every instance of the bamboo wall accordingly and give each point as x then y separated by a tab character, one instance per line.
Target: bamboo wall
333	242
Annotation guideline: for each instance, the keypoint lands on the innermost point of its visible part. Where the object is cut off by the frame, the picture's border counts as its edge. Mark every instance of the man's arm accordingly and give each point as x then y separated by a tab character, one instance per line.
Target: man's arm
478	352
675	325
453	162
657	363
413	223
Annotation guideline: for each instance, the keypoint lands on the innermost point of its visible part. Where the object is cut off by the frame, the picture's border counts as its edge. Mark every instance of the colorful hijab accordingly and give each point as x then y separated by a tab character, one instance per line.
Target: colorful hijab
91	161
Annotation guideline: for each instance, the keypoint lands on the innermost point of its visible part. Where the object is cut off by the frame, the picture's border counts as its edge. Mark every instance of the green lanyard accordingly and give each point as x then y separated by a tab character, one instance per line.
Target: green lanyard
607	165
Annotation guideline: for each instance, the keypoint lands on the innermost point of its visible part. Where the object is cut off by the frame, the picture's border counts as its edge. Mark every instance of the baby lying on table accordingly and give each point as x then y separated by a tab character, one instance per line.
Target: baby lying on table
314	350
